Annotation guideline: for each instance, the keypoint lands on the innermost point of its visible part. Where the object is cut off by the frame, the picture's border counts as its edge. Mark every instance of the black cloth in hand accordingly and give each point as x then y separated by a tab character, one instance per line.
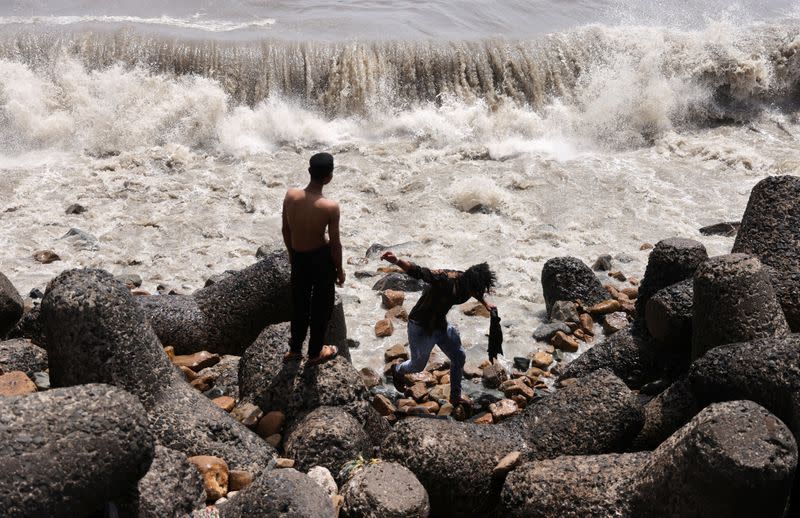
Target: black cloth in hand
495	336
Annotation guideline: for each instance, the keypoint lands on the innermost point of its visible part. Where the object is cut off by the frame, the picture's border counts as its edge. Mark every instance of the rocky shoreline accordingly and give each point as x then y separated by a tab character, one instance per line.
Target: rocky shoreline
685	402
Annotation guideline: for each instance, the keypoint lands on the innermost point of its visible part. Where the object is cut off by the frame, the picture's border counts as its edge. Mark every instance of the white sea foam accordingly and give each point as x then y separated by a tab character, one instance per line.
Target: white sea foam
167	21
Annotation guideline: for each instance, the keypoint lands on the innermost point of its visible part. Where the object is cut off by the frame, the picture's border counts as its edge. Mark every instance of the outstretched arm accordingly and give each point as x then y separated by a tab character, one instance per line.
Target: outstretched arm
416	271
403	264
336	245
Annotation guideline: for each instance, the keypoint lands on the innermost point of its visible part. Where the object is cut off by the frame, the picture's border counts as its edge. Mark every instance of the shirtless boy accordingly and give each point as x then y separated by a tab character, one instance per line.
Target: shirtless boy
316	261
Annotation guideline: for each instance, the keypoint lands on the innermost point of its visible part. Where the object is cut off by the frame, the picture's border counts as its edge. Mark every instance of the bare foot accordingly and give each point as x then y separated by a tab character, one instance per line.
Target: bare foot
290	357
328	353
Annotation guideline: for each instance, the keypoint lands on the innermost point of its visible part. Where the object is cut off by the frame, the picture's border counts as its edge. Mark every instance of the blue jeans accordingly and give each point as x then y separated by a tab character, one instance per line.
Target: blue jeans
421	344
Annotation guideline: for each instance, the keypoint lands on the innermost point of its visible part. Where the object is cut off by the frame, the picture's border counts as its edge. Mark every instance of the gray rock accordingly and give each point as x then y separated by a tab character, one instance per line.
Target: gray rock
665	414
629	357
770	230
131	280
733	459
376	249
327	436
81	240
727	229
733	302
29	327
596	414
568	278
98	334
385	490
68	451
75	208
11	306
453	461
671	261
399	282
564	311
22	355
603	263
226	376
227	316
280	493
172	487
322	476
545	332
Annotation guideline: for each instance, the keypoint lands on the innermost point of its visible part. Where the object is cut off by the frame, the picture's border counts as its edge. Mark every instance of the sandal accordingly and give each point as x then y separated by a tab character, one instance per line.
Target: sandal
290	357
328	352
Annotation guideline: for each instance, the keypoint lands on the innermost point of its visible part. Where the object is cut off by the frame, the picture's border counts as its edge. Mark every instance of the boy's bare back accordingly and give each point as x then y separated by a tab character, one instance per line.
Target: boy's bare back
308	215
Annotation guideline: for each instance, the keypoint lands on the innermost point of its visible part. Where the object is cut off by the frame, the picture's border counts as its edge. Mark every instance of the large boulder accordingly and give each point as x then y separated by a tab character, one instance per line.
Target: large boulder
669	315
671	261
733	459
665	414
596	414
733	302
29	326
296	387
328	437
280	493
98	334
629	357
228	315
453	461
22	355
568	278
171	488
11	306
385	490
766	371
68	451
770	230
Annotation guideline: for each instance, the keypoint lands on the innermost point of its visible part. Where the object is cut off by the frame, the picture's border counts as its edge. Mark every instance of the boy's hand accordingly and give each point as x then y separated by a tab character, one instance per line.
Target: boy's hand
389	256
340	276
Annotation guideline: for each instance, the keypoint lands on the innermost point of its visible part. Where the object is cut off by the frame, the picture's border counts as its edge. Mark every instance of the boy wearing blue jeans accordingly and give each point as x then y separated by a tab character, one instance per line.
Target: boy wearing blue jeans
427	322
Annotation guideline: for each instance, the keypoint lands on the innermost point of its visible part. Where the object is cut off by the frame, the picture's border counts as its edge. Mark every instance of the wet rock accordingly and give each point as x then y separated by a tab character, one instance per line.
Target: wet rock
605	307
329	437
80	239
384	328
727	229
22	355
271	424
172	487
669	315
392	298
564	342
596	414
614	322
434	450
227	316
399	282
541	359
383	405
627	356
280	493
494	374
564	311
197	361
397	312
603	263
66	452
225	375
395	352
503	409
521	363
247	413
545	332
665	414
671	261
733	302
386	490
733	459
568	278
45	256
99	334
11	306
370	377
16	383
770	230
75	208
474	309
131	280
214	472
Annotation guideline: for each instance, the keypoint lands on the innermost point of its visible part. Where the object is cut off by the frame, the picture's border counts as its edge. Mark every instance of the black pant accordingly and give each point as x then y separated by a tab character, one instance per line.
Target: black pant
313	276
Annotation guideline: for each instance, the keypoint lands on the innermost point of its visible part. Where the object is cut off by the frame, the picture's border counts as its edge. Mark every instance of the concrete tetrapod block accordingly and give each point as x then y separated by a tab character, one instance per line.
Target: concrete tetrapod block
453	461
733	302
665	414
669	315
385	490
66	452
20	354
629	357
11	306
172	488
569	279
671	261
296	387
280	493
328	437
770	230
733	459
596	414
98	334
228	315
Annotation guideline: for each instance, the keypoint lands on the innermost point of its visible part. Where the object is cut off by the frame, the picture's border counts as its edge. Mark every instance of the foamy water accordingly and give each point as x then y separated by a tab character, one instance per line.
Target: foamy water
587	141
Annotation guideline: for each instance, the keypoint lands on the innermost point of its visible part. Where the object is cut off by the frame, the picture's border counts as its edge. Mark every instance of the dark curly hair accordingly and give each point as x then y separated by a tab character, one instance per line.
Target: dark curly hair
479	279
